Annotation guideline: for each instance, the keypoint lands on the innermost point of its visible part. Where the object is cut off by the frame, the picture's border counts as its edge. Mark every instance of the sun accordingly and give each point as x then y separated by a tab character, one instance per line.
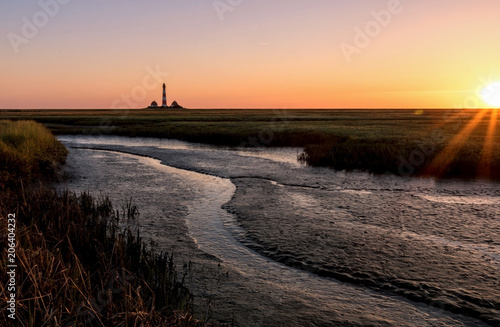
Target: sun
491	94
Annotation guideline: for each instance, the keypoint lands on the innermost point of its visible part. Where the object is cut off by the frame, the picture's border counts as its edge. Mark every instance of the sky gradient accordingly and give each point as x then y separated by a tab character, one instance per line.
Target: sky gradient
248	53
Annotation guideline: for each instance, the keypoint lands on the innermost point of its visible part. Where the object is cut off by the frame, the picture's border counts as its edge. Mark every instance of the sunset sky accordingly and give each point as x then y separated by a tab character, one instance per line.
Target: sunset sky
248	53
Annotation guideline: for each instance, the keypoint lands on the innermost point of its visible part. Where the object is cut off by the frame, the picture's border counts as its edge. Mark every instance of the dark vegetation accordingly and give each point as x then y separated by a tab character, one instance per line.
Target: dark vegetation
76	265
404	142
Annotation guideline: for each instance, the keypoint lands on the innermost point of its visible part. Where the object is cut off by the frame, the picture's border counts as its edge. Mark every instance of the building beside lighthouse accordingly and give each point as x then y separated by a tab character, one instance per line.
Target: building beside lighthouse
154	104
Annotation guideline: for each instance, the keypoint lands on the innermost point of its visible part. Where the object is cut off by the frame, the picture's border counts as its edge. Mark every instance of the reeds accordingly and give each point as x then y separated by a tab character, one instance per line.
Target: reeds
76	265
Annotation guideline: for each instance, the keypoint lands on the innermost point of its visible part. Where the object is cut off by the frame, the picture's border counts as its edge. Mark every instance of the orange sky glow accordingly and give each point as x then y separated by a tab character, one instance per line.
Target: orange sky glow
249	54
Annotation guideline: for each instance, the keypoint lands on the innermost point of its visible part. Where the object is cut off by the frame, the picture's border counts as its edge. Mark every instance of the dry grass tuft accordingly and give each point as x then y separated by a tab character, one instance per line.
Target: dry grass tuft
28	150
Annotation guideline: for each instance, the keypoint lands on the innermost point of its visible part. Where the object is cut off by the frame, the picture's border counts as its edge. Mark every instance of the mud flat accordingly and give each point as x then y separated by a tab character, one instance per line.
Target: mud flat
399	252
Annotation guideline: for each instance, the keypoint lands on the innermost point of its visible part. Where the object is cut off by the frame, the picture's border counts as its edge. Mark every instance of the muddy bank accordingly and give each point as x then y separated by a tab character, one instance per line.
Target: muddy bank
376	247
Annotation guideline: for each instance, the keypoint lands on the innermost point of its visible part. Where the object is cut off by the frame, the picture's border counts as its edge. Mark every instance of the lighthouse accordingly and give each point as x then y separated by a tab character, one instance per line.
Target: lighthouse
164	103
174	105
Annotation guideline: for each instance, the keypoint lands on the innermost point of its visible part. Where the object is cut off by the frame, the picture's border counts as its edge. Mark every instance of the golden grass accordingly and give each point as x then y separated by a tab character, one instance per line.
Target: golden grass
27	150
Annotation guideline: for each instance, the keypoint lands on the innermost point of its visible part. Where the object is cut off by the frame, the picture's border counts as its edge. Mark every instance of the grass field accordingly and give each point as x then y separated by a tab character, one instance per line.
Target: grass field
407	142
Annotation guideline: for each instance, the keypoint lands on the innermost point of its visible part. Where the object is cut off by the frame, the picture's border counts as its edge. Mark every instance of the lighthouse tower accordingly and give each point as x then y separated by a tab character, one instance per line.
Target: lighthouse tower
164	103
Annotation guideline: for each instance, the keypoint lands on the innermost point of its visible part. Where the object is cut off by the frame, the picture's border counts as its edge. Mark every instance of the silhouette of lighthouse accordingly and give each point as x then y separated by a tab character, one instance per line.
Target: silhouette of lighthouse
164	103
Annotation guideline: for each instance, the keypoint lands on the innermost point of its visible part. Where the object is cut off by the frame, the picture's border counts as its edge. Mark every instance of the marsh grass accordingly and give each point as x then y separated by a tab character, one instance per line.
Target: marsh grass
378	141
28	150
404	157
129	210
76	265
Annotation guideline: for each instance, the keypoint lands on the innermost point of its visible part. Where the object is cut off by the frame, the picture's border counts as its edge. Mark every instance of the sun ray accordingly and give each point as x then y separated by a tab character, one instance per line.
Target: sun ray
450	116
439	164
484	169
